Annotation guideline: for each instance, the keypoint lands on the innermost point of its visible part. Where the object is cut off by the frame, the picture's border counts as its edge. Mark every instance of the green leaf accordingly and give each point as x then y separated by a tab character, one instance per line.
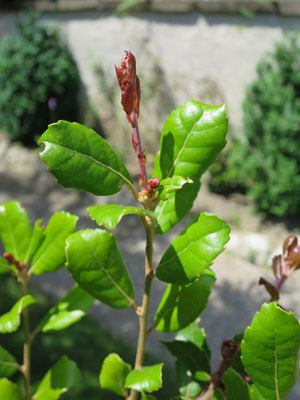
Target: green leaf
148	379
9	390
196	360
94	261
194	250
35	241
110	215
61	377
187	386
257	395
181	305
10	321
145	396
236	387
68	311
5	357
170	185
4	266
169	212
113	374
51	254
270	351
79	158
218	395
15	229
192	137
195	335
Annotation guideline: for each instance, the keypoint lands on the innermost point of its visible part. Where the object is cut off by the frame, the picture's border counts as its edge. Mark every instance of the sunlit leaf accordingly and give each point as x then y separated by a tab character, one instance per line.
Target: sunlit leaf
181	305
170	185
69	310
10	321
148	379
79	158
9	390
4	266
270	350
192	137
194	250
36	240
111	214
51	254
61	377
15	229
113	374
5	357
236	387
94	261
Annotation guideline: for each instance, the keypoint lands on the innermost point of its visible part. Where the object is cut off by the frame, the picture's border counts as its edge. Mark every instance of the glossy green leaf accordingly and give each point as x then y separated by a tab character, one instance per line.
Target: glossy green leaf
181	305
145	396
35	241
61	377
68	311
194	250
9	390
111	214
148	379
236	387
94	261
257	395
196	360
79	158
218	395
270	351
192	137
5	357
170	185
187	385
10	321
180	398
51	254
4	266
15	229
194	335
113	374
169	212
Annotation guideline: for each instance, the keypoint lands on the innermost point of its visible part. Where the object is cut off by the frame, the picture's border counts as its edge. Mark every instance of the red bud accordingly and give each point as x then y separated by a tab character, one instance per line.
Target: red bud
291	251
130	86
154	183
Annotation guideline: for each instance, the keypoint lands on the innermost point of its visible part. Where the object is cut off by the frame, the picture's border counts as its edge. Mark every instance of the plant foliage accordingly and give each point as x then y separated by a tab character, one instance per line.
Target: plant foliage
267	166
39	80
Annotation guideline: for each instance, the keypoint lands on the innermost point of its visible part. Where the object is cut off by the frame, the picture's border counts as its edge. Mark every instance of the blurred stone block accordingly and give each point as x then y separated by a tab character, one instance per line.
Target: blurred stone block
74	5
289	7
108	5
172	6
234	6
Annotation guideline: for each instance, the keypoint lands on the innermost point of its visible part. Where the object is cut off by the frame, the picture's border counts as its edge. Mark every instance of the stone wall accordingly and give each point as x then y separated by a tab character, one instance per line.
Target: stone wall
208	57
280	7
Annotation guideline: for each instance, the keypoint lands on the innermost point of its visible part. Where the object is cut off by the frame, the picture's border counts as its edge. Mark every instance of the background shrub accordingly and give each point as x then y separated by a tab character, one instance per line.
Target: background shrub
39	80
267	166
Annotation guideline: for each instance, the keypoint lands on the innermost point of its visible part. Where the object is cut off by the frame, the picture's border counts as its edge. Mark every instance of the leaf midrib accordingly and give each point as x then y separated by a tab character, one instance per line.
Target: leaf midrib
187	247
44	252
12	237
276	362
93	160
172	305
128	298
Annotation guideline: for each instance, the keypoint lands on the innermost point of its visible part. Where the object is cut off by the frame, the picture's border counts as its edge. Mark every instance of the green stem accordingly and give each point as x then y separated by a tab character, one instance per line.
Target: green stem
143	315
26	367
